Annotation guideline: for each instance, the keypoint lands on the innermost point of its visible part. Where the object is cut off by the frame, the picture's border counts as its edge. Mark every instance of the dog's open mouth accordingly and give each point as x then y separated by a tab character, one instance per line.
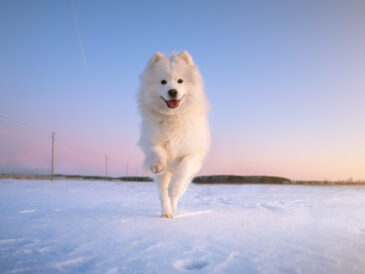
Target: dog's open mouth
172	103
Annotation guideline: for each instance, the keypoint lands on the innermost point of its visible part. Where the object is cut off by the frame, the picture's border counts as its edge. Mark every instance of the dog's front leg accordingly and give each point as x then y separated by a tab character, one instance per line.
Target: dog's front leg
157	159
185	171
163	181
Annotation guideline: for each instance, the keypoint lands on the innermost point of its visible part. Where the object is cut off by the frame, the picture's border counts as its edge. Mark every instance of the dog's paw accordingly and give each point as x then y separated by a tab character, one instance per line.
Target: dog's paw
167	215
157	168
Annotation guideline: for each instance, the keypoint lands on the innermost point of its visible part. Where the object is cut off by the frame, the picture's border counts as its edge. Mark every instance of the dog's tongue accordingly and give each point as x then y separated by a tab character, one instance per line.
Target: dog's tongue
173	103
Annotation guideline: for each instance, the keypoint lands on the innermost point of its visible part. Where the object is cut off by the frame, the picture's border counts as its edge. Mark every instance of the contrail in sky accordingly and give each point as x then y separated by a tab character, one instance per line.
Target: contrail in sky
79	35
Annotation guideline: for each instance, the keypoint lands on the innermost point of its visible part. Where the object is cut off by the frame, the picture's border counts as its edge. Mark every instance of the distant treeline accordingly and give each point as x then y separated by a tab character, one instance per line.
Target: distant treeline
214	179
77	177
234	179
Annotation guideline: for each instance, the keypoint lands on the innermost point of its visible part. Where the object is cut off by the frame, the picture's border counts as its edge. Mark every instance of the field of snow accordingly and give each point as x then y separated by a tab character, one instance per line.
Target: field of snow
110	227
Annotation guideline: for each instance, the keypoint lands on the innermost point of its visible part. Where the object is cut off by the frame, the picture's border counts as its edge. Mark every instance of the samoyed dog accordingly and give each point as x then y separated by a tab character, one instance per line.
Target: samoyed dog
175	134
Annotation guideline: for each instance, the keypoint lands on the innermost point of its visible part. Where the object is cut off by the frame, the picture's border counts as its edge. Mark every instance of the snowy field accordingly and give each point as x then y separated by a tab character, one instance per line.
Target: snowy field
107	227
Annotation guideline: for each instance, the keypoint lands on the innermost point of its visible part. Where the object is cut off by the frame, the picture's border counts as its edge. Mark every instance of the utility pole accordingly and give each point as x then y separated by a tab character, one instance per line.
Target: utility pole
106	165
126	170
52	159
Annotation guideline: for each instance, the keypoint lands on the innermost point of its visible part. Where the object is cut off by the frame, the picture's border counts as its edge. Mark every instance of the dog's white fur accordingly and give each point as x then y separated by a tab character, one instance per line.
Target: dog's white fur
175	141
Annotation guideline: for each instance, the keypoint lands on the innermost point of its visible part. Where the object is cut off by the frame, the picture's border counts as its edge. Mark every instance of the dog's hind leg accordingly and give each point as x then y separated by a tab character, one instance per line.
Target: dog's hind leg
185	171
163	181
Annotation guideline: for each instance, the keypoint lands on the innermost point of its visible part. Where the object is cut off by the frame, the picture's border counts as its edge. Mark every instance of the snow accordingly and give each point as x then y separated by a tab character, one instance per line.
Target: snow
114	227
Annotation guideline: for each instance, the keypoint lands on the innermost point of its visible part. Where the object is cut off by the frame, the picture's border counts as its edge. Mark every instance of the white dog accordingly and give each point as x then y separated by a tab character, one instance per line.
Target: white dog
175	133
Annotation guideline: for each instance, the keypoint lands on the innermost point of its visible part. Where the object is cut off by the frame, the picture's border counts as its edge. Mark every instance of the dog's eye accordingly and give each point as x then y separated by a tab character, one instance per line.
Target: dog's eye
180	81
163	82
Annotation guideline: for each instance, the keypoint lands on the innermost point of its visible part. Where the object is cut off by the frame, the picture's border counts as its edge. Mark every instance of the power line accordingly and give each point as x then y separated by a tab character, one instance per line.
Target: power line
22	125
27	128
23	130
78	148
38	132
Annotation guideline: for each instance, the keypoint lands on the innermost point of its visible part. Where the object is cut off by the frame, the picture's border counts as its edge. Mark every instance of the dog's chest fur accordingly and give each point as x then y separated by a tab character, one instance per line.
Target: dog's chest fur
181	136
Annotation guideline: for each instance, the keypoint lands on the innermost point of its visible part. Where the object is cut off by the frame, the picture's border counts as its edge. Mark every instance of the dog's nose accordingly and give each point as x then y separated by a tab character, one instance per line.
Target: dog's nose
172	93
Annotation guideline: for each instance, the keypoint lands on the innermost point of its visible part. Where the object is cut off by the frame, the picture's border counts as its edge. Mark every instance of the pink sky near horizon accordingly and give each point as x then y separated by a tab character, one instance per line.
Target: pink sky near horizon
241	157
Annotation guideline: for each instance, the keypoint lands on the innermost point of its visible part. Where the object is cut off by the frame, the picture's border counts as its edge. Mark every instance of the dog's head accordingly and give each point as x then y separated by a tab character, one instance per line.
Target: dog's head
171	85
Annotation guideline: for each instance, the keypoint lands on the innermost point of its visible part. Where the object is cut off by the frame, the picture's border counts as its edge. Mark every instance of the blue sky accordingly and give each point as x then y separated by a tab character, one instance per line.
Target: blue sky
285	80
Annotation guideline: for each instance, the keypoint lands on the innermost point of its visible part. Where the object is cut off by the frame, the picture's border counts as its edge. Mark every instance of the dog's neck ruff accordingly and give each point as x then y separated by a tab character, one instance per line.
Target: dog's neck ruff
190	114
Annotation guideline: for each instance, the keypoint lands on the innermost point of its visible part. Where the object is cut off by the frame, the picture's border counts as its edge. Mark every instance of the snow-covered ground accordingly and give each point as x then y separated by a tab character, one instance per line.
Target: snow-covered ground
107	227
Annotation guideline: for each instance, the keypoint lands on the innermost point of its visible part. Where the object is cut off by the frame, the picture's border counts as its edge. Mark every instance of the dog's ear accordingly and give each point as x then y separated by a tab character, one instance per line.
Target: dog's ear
157	56
186	57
